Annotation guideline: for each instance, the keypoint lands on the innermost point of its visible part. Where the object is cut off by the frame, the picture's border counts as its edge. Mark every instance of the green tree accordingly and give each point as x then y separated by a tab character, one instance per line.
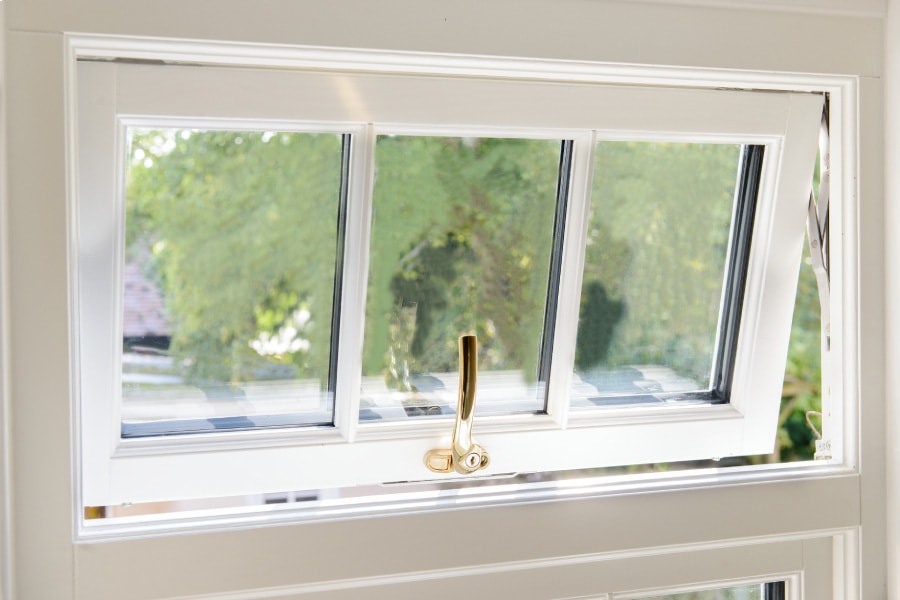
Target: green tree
462	230
241	229
657	243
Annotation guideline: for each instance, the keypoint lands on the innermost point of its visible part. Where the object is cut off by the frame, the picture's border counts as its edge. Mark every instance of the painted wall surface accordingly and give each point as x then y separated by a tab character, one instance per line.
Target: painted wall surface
48	565
607	31
892	286
871	8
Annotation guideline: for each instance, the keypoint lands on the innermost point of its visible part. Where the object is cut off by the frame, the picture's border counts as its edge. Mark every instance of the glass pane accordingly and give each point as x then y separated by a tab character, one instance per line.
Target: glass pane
230	251
744	592
654	270
462	231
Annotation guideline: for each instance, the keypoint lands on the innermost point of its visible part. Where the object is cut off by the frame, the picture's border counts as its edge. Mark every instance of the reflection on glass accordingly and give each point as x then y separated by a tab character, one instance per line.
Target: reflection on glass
462	231
654	269
230	254
744	592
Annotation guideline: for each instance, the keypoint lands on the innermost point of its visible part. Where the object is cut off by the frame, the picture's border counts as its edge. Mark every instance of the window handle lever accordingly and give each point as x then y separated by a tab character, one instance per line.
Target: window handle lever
464	456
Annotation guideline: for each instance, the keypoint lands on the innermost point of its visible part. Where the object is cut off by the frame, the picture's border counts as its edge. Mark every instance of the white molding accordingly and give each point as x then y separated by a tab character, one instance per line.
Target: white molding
385	65
70	135
841	366
661	484
833	45
848	571
369	584
578	217
395	62
620	525
246	54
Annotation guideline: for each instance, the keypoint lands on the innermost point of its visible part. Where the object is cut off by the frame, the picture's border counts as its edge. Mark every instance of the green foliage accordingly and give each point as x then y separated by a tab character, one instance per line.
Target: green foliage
241	228
657	243
462	231
803	372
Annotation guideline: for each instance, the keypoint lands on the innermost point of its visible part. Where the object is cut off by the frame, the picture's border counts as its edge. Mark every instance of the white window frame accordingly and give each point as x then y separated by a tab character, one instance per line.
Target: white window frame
114	470
782	507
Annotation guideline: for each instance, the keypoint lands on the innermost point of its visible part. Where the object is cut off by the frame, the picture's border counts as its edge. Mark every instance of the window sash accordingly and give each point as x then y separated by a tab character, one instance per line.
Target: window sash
115	470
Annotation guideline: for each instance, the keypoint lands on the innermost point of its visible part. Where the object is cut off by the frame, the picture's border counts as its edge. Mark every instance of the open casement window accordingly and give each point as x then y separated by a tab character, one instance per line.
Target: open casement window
273	268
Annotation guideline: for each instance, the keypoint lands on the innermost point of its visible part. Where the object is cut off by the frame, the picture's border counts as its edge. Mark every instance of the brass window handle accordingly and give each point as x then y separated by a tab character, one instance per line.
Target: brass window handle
464	456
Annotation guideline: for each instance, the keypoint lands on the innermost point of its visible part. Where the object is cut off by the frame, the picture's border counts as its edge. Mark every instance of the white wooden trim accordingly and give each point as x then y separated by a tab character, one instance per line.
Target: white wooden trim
892	292
6	517
156	49
816	479
355	285
43	505
760	547
806	562
841	383
869	408
598	570
578	213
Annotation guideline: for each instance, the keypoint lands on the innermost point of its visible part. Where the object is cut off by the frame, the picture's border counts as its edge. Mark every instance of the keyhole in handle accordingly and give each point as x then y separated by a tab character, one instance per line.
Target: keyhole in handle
473	460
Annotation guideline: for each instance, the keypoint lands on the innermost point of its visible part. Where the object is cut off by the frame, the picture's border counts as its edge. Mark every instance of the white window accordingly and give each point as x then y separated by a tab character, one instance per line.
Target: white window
327	381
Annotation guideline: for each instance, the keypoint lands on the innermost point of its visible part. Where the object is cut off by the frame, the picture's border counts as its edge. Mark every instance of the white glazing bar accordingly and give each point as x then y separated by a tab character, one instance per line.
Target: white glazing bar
578	214
355	274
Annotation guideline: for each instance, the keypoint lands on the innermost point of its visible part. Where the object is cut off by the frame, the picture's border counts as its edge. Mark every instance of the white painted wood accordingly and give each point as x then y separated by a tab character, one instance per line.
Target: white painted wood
267	557
355	284
486	540
819	576
866	415
892	291
167	468
575	578
414	499
569	579
42	492
578	214
6	548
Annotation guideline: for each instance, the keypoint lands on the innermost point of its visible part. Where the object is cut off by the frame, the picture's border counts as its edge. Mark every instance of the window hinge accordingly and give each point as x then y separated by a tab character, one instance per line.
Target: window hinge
817	232
823	446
